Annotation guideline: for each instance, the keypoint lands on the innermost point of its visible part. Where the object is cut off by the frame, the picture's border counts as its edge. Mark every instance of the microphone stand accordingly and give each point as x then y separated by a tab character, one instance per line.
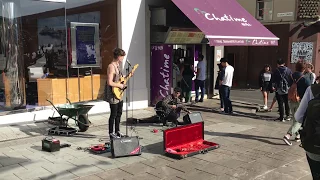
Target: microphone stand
127	97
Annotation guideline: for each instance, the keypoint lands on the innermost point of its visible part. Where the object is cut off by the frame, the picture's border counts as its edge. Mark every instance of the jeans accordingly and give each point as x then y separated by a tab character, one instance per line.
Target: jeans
283	99
172	116
294	129
221	98
199	84
115	116
226	98
314	167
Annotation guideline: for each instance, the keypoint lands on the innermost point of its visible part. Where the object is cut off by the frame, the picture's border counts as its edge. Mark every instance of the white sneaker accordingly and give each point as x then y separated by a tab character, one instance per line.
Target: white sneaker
265	107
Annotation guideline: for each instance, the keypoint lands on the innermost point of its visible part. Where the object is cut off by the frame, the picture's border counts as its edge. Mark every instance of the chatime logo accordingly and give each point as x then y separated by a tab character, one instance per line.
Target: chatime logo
225	18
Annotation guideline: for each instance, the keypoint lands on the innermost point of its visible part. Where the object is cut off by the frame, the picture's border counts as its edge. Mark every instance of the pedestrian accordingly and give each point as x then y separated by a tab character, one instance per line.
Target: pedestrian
310	74
301	83
187	74
218	85
265	84
200	78
280	79
226	84
308	115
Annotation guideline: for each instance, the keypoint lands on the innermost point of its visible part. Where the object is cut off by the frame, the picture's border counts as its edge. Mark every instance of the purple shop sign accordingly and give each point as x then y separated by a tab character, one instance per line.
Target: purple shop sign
161	72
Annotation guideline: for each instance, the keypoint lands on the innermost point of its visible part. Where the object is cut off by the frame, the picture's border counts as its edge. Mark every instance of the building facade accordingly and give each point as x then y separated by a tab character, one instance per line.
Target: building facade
294	22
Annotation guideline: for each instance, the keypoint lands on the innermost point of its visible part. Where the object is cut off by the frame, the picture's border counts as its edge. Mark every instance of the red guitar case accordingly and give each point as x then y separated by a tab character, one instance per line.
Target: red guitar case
186	141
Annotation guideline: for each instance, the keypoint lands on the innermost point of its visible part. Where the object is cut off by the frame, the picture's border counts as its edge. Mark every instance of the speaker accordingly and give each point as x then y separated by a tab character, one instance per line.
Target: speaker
125	146
192	118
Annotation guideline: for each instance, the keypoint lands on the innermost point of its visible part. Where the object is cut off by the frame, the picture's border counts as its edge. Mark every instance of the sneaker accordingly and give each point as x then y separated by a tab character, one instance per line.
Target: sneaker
297	139
280	119
113	136
265	107
120	135
287	141
222	109
201	100
288	118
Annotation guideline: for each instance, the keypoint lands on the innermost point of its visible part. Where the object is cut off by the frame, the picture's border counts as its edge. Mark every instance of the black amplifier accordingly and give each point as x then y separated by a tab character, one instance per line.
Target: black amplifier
192	118
125	146
50	144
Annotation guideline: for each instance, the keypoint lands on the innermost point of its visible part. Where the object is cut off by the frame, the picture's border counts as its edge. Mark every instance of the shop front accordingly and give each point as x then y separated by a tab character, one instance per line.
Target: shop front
54	51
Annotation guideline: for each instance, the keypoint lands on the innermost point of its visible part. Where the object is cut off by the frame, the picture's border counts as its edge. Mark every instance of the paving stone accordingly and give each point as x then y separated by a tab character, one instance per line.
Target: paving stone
85	170
214	169
131	159
165	171
91	177
243	174
157	162
136	168
9	177
293	170
308	177
32	174
276	175
271	162
142	176
213	157
185	165
196	174
257	167
13	160
114	174
231	163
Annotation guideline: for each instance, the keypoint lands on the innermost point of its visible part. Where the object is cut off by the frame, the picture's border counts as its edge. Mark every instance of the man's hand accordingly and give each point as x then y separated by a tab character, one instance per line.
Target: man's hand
122	86
174	107
261	89
189	112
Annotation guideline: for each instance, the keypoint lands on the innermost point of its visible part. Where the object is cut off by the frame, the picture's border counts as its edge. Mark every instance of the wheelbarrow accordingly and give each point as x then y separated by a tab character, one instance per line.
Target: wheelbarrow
76	112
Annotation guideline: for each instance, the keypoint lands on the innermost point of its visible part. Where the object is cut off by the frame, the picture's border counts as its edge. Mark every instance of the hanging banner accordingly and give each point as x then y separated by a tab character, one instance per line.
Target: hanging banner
161	72
85	45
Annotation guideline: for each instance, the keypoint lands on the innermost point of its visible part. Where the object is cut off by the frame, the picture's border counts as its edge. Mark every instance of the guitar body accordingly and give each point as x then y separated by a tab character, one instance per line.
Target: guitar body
118	93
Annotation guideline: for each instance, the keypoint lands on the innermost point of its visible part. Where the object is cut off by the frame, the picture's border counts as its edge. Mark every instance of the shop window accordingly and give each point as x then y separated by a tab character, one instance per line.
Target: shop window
36	57
264	10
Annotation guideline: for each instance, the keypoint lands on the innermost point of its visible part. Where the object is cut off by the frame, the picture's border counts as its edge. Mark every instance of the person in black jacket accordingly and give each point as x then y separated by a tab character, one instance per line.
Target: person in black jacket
280	78
302	84
265	84
217	85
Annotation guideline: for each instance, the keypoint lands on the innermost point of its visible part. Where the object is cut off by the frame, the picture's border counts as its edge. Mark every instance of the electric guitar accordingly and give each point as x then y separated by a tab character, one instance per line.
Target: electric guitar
118	92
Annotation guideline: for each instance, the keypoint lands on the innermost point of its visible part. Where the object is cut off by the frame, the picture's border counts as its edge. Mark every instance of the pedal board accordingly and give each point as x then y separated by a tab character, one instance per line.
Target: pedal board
62	131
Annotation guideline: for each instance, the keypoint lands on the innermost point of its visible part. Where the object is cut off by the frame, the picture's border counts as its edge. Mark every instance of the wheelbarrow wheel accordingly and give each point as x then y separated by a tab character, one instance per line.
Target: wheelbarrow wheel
83	123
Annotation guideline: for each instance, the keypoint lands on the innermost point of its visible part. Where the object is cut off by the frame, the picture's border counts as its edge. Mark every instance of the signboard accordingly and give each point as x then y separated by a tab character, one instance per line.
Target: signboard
285	14
161	72
184	37
85	44
302	51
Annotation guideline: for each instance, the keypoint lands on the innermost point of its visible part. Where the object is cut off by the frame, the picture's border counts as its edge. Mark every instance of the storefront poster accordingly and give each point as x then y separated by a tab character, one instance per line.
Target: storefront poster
161	74
85	45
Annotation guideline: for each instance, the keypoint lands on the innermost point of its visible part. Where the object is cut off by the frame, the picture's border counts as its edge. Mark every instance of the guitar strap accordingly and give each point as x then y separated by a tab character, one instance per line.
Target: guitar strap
117	68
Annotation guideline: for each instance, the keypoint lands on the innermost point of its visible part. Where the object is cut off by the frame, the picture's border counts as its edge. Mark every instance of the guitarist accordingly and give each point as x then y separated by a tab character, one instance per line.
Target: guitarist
173	106
113	75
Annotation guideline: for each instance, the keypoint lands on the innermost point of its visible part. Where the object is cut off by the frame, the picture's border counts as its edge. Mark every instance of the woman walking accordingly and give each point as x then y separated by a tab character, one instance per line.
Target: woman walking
265	84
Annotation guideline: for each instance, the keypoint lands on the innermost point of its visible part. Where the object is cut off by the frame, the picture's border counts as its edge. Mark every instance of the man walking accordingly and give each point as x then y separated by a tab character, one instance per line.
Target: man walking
280	83
226	84
200	78
298	85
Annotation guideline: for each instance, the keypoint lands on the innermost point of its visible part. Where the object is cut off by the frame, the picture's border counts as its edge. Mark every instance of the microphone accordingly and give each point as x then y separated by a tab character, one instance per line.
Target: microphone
128	62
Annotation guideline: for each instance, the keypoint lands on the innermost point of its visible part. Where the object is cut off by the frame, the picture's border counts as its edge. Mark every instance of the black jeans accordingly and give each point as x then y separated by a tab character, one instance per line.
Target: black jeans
199	84
115	116
314	167
225	90
283	99
173	116
221	98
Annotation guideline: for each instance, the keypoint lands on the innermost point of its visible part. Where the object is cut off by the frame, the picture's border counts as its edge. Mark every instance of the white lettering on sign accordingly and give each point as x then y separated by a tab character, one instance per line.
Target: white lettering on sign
225	18
260	42
165	87
285	14
157	48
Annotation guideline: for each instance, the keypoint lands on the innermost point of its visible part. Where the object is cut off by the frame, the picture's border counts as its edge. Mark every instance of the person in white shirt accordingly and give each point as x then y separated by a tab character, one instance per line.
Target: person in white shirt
201	78
313	159
226	84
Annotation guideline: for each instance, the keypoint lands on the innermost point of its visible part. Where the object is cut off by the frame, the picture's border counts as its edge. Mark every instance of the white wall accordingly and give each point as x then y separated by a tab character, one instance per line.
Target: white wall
133	40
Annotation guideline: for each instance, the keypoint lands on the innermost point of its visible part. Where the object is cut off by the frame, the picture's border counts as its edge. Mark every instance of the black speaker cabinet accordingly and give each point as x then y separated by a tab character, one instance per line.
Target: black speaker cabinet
192	118
125	146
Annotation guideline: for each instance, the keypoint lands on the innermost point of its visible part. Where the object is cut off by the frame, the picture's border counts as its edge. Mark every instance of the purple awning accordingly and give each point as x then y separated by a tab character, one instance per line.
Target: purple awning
226	23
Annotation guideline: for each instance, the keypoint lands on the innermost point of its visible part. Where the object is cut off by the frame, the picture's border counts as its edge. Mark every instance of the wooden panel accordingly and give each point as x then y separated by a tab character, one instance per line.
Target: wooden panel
86	88
44	91
59	91
73	89
99	82
6	90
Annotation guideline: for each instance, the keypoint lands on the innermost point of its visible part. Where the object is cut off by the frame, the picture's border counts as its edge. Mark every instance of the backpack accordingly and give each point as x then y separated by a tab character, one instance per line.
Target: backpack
283	86
293	95
310	133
